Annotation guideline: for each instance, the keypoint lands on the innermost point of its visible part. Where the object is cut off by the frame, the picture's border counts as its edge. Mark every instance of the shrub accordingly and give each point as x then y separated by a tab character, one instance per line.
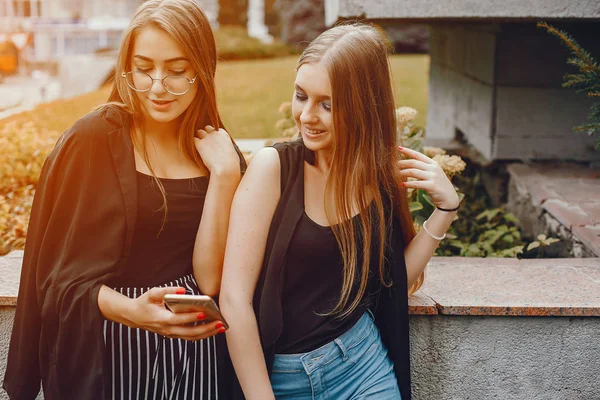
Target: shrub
233	43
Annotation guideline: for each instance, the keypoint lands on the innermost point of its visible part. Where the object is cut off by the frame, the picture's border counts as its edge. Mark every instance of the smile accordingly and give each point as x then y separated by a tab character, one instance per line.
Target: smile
313	132
161	105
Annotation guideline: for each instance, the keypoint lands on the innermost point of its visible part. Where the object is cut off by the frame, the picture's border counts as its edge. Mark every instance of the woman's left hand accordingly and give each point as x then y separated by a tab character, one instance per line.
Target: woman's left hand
217	151
429	177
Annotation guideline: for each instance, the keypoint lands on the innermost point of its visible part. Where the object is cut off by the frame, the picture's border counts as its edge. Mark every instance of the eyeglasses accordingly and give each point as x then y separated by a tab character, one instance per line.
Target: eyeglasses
142	82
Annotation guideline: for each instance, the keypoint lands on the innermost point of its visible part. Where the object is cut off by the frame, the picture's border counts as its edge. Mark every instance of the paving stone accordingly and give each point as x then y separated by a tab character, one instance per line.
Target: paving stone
569	215
590	237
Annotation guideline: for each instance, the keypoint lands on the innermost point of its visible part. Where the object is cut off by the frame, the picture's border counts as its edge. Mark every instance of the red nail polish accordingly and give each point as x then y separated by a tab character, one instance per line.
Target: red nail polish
400	148
222	330
201	315
219	325
403	184
180	291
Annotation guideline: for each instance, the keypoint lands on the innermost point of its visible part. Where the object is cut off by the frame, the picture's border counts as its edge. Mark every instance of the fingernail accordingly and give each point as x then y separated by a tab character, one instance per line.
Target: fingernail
403	184
219	325
180	291
201	315
400	148
222	330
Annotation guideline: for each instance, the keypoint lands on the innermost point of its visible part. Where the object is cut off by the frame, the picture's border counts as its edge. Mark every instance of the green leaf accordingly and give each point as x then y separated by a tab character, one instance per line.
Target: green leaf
533	245
511	218
415	206
549	241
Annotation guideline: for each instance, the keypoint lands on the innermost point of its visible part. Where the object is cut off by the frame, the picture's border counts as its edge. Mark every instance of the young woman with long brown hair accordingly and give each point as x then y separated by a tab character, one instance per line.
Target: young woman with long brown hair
132	204
321	252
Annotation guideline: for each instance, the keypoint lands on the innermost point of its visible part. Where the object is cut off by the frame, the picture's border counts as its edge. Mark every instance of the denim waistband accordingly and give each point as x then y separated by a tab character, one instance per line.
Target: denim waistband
325	354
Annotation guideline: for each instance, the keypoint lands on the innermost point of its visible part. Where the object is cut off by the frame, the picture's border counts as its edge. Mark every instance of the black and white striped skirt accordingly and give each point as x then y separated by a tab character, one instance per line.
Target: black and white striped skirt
146	365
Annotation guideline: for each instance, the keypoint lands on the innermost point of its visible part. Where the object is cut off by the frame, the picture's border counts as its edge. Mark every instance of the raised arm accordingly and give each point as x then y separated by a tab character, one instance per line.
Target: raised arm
251	214
431	178
219	155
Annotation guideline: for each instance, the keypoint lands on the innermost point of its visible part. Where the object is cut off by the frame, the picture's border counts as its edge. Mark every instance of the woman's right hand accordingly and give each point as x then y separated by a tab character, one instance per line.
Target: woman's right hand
148	312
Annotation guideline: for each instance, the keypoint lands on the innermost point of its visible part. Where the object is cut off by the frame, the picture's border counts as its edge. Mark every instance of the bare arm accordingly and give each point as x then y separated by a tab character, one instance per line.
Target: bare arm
251	214
219	156
420	250
428	176
209	249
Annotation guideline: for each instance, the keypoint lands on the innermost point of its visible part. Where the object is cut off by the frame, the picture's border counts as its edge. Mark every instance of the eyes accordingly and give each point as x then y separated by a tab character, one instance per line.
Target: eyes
301	97
170	71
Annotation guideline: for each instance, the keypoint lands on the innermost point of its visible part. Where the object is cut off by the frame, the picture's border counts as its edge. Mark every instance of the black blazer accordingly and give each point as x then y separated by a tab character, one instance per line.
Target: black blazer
79	238
391	308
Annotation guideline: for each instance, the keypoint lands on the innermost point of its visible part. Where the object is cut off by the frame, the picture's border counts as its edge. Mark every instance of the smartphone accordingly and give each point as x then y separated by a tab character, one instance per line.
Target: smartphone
179	303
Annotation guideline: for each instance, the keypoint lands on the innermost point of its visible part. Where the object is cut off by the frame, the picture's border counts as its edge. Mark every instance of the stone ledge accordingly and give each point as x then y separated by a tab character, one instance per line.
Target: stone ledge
568	192
464	286
432	10
511	287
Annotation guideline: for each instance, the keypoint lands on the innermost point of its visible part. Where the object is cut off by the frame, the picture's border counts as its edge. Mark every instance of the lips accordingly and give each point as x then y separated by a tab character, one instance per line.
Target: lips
313	132
161	102
161	105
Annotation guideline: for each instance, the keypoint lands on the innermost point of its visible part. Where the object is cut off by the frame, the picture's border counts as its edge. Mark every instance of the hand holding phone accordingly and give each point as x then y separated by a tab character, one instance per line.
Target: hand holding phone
181	303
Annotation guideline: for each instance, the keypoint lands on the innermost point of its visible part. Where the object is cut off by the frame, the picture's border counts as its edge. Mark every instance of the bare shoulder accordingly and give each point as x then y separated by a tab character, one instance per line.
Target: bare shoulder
265	162
263	174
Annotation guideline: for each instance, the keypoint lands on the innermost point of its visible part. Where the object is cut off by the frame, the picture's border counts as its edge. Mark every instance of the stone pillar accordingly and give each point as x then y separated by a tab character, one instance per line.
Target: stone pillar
301	21
272	18
256	21
500	86
233	12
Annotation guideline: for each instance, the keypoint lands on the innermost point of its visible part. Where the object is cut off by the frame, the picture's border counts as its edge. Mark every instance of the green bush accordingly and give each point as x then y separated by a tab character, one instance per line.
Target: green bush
233	43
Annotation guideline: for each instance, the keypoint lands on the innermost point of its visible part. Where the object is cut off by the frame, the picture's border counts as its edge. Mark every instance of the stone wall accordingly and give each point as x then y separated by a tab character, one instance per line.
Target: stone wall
461	9
479	328
499	85
301	21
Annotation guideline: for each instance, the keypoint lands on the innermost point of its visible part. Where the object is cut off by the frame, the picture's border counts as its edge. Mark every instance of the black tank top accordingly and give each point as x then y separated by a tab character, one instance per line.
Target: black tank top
160	256
313	274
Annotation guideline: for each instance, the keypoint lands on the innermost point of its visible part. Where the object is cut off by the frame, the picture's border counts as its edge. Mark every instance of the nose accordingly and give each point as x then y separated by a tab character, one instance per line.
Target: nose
308	114
157	85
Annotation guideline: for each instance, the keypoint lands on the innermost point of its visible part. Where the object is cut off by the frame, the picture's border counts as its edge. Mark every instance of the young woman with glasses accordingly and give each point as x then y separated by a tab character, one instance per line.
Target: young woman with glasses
132	204
322	252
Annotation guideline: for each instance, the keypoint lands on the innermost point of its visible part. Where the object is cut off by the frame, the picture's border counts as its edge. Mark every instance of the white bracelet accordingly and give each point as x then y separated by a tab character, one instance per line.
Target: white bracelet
431	234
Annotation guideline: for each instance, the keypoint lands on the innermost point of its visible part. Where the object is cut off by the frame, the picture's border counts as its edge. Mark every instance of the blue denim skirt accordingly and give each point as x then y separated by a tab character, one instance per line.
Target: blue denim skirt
353	366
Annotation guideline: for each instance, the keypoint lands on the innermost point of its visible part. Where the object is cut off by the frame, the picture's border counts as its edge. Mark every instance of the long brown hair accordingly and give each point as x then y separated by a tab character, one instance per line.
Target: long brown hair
364	170
189	27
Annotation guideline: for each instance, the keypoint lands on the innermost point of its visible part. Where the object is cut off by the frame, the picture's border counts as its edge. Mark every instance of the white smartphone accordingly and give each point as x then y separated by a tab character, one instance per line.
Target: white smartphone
180	303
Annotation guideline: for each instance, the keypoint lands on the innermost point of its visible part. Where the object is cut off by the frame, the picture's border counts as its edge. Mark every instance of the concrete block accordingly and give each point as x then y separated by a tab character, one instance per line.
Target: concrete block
480	55
447	47
463	9
530	56
474	113
518	358
441	107
537	123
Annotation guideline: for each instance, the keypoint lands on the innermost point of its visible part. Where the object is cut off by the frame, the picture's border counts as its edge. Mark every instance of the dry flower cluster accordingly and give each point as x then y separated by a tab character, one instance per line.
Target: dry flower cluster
286	126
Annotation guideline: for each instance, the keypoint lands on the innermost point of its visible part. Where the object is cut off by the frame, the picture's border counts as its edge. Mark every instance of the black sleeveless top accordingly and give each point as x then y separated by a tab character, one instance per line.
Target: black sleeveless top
313	276
160	254
391	303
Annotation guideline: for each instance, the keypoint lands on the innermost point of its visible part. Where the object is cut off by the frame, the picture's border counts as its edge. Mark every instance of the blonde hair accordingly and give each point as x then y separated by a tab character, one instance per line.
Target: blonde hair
185	22
364	170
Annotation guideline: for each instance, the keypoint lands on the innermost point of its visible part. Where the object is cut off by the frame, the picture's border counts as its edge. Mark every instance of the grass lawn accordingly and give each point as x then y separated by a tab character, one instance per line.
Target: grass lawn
250	92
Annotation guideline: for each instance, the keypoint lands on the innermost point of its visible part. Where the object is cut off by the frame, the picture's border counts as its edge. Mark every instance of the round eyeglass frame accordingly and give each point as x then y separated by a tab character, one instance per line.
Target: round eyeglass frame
162	81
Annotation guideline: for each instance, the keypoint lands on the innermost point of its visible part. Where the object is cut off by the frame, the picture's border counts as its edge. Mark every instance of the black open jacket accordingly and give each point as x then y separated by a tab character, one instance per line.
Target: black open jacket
391	307
79	238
